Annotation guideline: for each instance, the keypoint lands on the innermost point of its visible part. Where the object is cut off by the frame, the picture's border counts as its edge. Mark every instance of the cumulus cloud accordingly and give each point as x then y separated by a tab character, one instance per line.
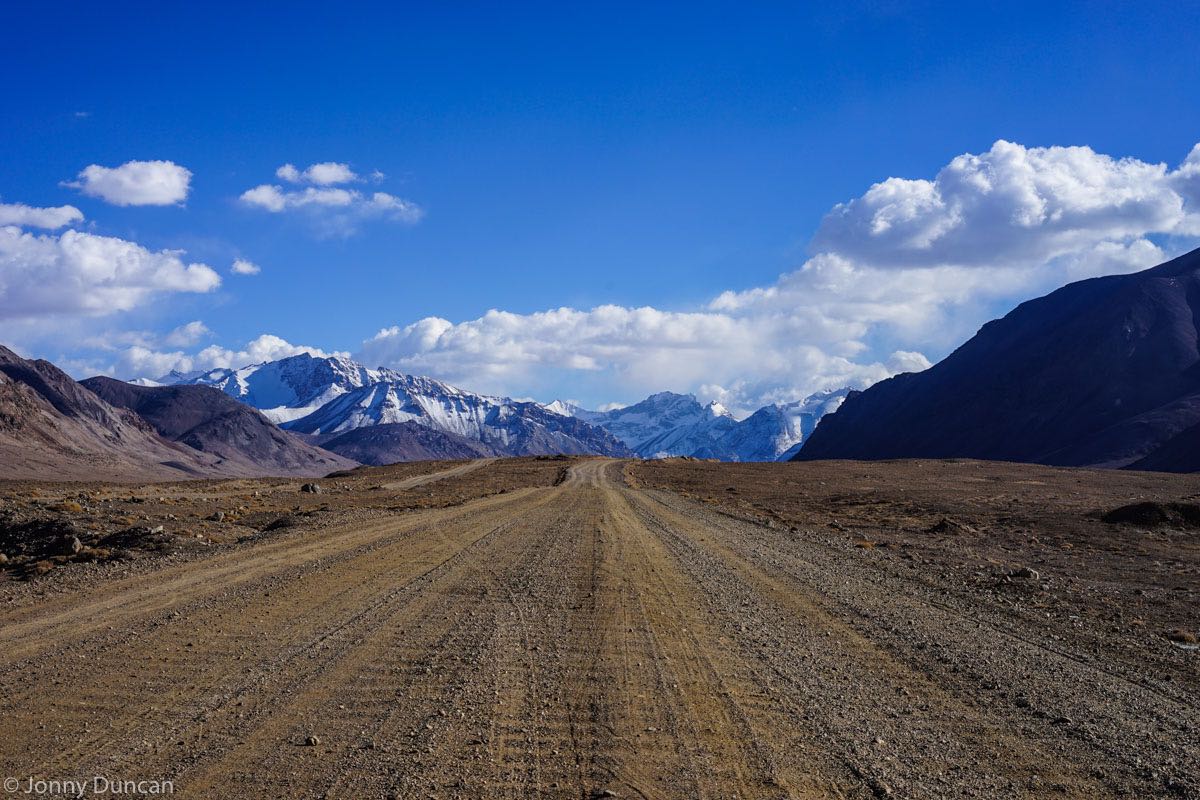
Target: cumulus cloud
78	273
320	194
909	267
334	209
289	173
1186	181
1012	205
143	360
187	335
136	183
759	358
326	173
32	217
243	267
377	204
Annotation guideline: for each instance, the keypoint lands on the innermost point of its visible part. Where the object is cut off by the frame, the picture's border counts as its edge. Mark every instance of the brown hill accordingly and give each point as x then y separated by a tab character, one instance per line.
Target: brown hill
52	428
1102	372
405	441
241	439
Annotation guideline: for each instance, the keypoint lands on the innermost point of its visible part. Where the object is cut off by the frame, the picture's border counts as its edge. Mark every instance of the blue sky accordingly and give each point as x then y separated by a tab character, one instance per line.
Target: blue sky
588	156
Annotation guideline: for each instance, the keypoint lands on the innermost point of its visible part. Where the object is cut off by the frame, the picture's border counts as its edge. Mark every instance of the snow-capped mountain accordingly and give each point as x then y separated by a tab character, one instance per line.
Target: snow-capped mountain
330	395
289	388
659	424
669	424
517	428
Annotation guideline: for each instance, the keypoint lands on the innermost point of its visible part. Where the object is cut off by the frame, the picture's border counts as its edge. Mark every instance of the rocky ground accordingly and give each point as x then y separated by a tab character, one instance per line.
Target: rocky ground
592	628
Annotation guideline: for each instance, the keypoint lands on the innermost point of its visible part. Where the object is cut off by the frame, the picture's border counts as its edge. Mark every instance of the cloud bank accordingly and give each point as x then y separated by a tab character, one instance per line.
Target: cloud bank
148	360
909	268
915	263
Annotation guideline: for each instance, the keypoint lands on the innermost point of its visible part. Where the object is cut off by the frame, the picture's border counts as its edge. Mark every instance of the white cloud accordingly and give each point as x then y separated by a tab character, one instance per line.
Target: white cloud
265	196
915	264
31	217
136	183
77	273
243	267
1012	205
765	357
187	335
395	208
144	361
336	210
1186	180
289	173
329	172
326	173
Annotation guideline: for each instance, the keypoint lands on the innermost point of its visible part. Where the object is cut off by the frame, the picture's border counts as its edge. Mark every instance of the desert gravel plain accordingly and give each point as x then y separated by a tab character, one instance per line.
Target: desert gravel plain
594	628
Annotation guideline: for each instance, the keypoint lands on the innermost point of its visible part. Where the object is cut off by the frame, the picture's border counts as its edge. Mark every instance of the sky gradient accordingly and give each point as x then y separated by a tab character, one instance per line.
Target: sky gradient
673	163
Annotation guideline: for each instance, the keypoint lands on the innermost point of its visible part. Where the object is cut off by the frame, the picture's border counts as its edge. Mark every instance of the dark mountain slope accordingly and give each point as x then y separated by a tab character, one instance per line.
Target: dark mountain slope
1100	372
52	428
404	441
206	419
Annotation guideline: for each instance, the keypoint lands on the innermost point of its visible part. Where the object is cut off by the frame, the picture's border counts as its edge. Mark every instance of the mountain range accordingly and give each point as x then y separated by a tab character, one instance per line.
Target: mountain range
329	398
1103	372
325	397
309	415
669	424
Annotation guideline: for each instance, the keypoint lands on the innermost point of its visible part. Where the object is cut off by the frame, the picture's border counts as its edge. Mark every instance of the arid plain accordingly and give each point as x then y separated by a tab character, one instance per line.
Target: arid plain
576	628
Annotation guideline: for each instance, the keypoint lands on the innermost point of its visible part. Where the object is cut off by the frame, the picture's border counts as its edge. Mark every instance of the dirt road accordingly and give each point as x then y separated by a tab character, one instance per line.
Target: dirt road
582	640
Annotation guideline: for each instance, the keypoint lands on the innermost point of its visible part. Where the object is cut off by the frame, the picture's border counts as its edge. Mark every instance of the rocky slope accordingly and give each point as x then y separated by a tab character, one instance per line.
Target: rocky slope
1102	372
52	428
394	442
242	440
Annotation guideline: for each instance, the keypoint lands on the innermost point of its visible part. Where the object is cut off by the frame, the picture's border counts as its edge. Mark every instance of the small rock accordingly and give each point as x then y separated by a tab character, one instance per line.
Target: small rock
311	488
75	544
312	741
218	516
1025	573
951	527
3	558
1180	636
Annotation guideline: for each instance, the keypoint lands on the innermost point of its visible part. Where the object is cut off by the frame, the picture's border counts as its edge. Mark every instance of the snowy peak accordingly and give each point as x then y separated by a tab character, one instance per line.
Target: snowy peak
291	387
329	396
669	424
644	425
566	408
715	409
510	427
